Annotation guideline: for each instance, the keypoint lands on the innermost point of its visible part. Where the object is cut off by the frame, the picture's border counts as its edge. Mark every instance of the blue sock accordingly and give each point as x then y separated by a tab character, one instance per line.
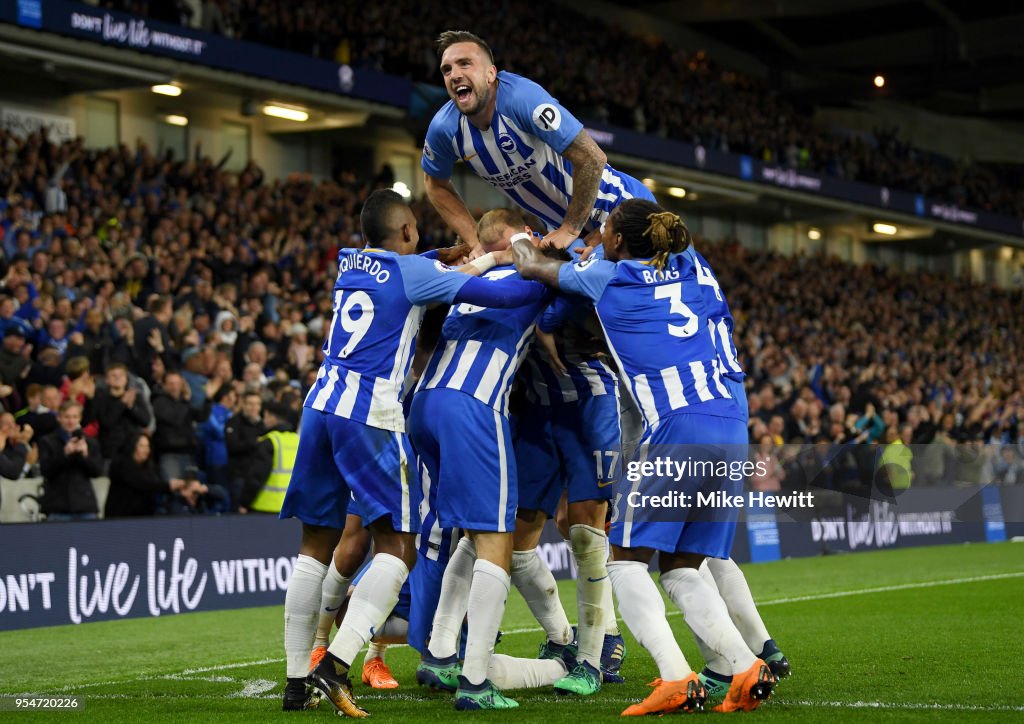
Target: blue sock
724	678
770	649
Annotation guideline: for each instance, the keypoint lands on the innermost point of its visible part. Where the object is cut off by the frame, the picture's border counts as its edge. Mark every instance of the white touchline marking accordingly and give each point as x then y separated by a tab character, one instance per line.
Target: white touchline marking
224	667
155	677
886	589
253	688
537	629
213	679
904	705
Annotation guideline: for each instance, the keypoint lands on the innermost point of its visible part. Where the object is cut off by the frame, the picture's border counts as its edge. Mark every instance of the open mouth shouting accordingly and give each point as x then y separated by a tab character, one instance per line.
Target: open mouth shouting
463	93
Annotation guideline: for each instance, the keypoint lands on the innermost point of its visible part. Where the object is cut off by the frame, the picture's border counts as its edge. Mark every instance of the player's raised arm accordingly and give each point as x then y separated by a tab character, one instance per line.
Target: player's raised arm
501	293
427	282
532	264
588	162
484	263
452	208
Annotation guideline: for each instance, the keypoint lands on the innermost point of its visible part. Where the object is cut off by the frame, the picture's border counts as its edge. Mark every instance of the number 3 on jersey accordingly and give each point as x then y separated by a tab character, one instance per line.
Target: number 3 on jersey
355	323
674	294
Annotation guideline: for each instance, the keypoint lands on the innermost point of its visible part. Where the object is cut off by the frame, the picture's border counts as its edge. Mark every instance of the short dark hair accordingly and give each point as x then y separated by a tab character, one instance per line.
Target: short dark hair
376	215
278	410
157	303
450	37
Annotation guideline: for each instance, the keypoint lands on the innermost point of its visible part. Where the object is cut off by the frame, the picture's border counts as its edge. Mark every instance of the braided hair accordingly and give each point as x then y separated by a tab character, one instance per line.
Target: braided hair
650	231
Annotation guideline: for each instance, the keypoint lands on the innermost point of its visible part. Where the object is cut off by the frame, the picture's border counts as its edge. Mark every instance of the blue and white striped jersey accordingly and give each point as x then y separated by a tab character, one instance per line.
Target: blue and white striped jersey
480	349
588	375
656	325
719	317
378	298
520	154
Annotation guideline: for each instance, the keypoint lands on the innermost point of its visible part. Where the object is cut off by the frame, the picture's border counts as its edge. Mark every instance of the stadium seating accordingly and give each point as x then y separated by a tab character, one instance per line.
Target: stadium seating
683	94
940	354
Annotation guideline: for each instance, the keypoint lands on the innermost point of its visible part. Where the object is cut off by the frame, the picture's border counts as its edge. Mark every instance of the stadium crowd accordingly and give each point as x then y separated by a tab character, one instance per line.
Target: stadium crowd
683	95
158	316
839	353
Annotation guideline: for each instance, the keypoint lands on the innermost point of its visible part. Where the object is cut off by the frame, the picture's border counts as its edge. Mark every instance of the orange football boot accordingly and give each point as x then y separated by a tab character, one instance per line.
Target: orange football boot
687	694
377	675
749	689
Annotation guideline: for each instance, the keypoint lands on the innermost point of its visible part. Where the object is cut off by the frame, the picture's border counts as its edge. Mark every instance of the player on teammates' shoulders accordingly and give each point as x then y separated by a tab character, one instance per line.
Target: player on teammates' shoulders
515	136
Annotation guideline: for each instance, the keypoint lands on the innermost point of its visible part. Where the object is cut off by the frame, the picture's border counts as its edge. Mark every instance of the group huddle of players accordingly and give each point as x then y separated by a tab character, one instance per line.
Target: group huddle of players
410	445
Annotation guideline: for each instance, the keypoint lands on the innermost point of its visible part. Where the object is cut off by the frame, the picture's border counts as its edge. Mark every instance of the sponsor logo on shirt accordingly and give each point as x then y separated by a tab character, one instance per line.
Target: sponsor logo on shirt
513	177
547	117
507	143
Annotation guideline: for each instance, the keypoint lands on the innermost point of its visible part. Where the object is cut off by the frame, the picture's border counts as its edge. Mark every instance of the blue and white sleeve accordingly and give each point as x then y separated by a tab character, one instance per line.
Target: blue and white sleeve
586	278
426	281
537	111
438	154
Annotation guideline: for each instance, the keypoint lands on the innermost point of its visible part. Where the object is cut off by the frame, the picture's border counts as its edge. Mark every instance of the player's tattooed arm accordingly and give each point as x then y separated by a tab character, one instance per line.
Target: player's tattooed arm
588	161
532	264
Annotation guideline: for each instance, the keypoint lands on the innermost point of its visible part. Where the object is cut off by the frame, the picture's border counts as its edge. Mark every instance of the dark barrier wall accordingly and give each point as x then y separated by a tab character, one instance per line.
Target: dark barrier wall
60	573
1012	499
916	517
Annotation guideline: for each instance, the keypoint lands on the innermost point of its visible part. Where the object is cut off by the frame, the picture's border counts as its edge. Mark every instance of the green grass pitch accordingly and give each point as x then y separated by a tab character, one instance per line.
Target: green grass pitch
895	635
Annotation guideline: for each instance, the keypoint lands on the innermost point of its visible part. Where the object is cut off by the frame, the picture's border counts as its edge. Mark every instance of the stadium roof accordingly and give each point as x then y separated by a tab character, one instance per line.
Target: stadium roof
963	57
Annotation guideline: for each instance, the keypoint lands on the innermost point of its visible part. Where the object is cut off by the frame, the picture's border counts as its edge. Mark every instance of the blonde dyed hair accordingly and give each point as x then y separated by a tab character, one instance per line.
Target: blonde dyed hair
650	231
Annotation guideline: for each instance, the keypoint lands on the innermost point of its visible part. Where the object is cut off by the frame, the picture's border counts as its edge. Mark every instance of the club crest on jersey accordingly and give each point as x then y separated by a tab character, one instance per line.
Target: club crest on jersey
427	152
507	143
442	267
581	265
547	117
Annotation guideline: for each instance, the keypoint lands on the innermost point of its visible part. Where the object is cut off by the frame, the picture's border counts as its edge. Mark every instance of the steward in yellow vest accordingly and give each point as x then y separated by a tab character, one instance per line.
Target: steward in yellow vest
275	459
897	460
